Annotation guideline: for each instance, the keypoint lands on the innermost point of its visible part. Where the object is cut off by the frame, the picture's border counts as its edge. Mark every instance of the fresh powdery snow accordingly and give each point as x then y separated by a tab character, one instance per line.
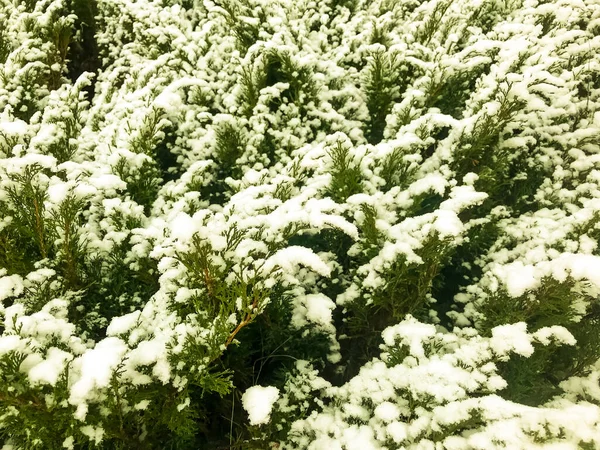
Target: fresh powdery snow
50	369
94	369
122	324
258	402
290	259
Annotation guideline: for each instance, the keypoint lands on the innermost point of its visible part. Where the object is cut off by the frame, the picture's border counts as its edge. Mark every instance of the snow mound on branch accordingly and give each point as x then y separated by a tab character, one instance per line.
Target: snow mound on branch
258	402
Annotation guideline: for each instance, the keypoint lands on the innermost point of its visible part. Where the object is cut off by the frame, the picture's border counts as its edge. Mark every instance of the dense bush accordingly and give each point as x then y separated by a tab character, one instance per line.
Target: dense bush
346	224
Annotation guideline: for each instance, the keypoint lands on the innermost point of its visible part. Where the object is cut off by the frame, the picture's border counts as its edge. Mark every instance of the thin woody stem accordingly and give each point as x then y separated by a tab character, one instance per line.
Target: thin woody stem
243	323
39	224
209	282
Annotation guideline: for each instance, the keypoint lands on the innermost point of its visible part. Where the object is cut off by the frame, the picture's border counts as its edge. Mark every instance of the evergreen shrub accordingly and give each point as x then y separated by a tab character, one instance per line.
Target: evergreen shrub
268	224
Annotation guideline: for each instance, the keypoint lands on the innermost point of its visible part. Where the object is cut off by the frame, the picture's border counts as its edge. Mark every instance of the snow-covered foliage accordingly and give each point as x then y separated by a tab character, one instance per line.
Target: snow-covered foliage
345	224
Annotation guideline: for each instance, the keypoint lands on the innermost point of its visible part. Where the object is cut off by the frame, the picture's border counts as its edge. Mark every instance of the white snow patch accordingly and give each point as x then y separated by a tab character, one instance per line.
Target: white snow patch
94	433
387	412
319	308
96	368
519	278
511	338
11	128
447	223
49	370
9	343
290	258
123	324
258	402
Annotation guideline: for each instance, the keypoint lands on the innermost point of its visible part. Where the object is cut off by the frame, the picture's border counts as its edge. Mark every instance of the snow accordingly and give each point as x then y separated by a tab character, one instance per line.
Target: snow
41	275
146	353
398	431
291	257
9	343
142	405
58	192
107	182
183	405
123	324
258	402
387	412
462	197
94	433
168	100
409	329
512	338
45	324
95	368
447	223
69	443
319	308
359	438
83	190
434	182
10	286
519	278
554	333
584	267
13	127
49	370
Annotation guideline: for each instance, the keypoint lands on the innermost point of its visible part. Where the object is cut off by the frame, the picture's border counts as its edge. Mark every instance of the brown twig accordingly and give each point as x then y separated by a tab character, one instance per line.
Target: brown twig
243	323
16	401
209	282
39	224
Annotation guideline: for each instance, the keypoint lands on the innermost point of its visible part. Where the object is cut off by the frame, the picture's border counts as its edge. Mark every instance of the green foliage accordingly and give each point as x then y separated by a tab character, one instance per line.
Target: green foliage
26	198
389	161
251	82
25	405
535	379
488	14
71	247
111	287
229	146
396	170
220	298
142	183
385	79
432	23
148	137
578	360
379	34
60	35
83	50
551	304
268	350
530	380
348	4
406	289
476	151
345	173
459	271
245	31
451	93
15	252
407	286
5	47
547	22
371	237
281	67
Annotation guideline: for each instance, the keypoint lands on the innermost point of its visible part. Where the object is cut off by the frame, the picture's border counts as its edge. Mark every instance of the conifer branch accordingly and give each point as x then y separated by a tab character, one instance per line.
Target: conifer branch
247	319
39	227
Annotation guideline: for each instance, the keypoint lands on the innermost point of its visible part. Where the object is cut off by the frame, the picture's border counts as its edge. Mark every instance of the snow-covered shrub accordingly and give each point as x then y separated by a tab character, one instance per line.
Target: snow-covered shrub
322	225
